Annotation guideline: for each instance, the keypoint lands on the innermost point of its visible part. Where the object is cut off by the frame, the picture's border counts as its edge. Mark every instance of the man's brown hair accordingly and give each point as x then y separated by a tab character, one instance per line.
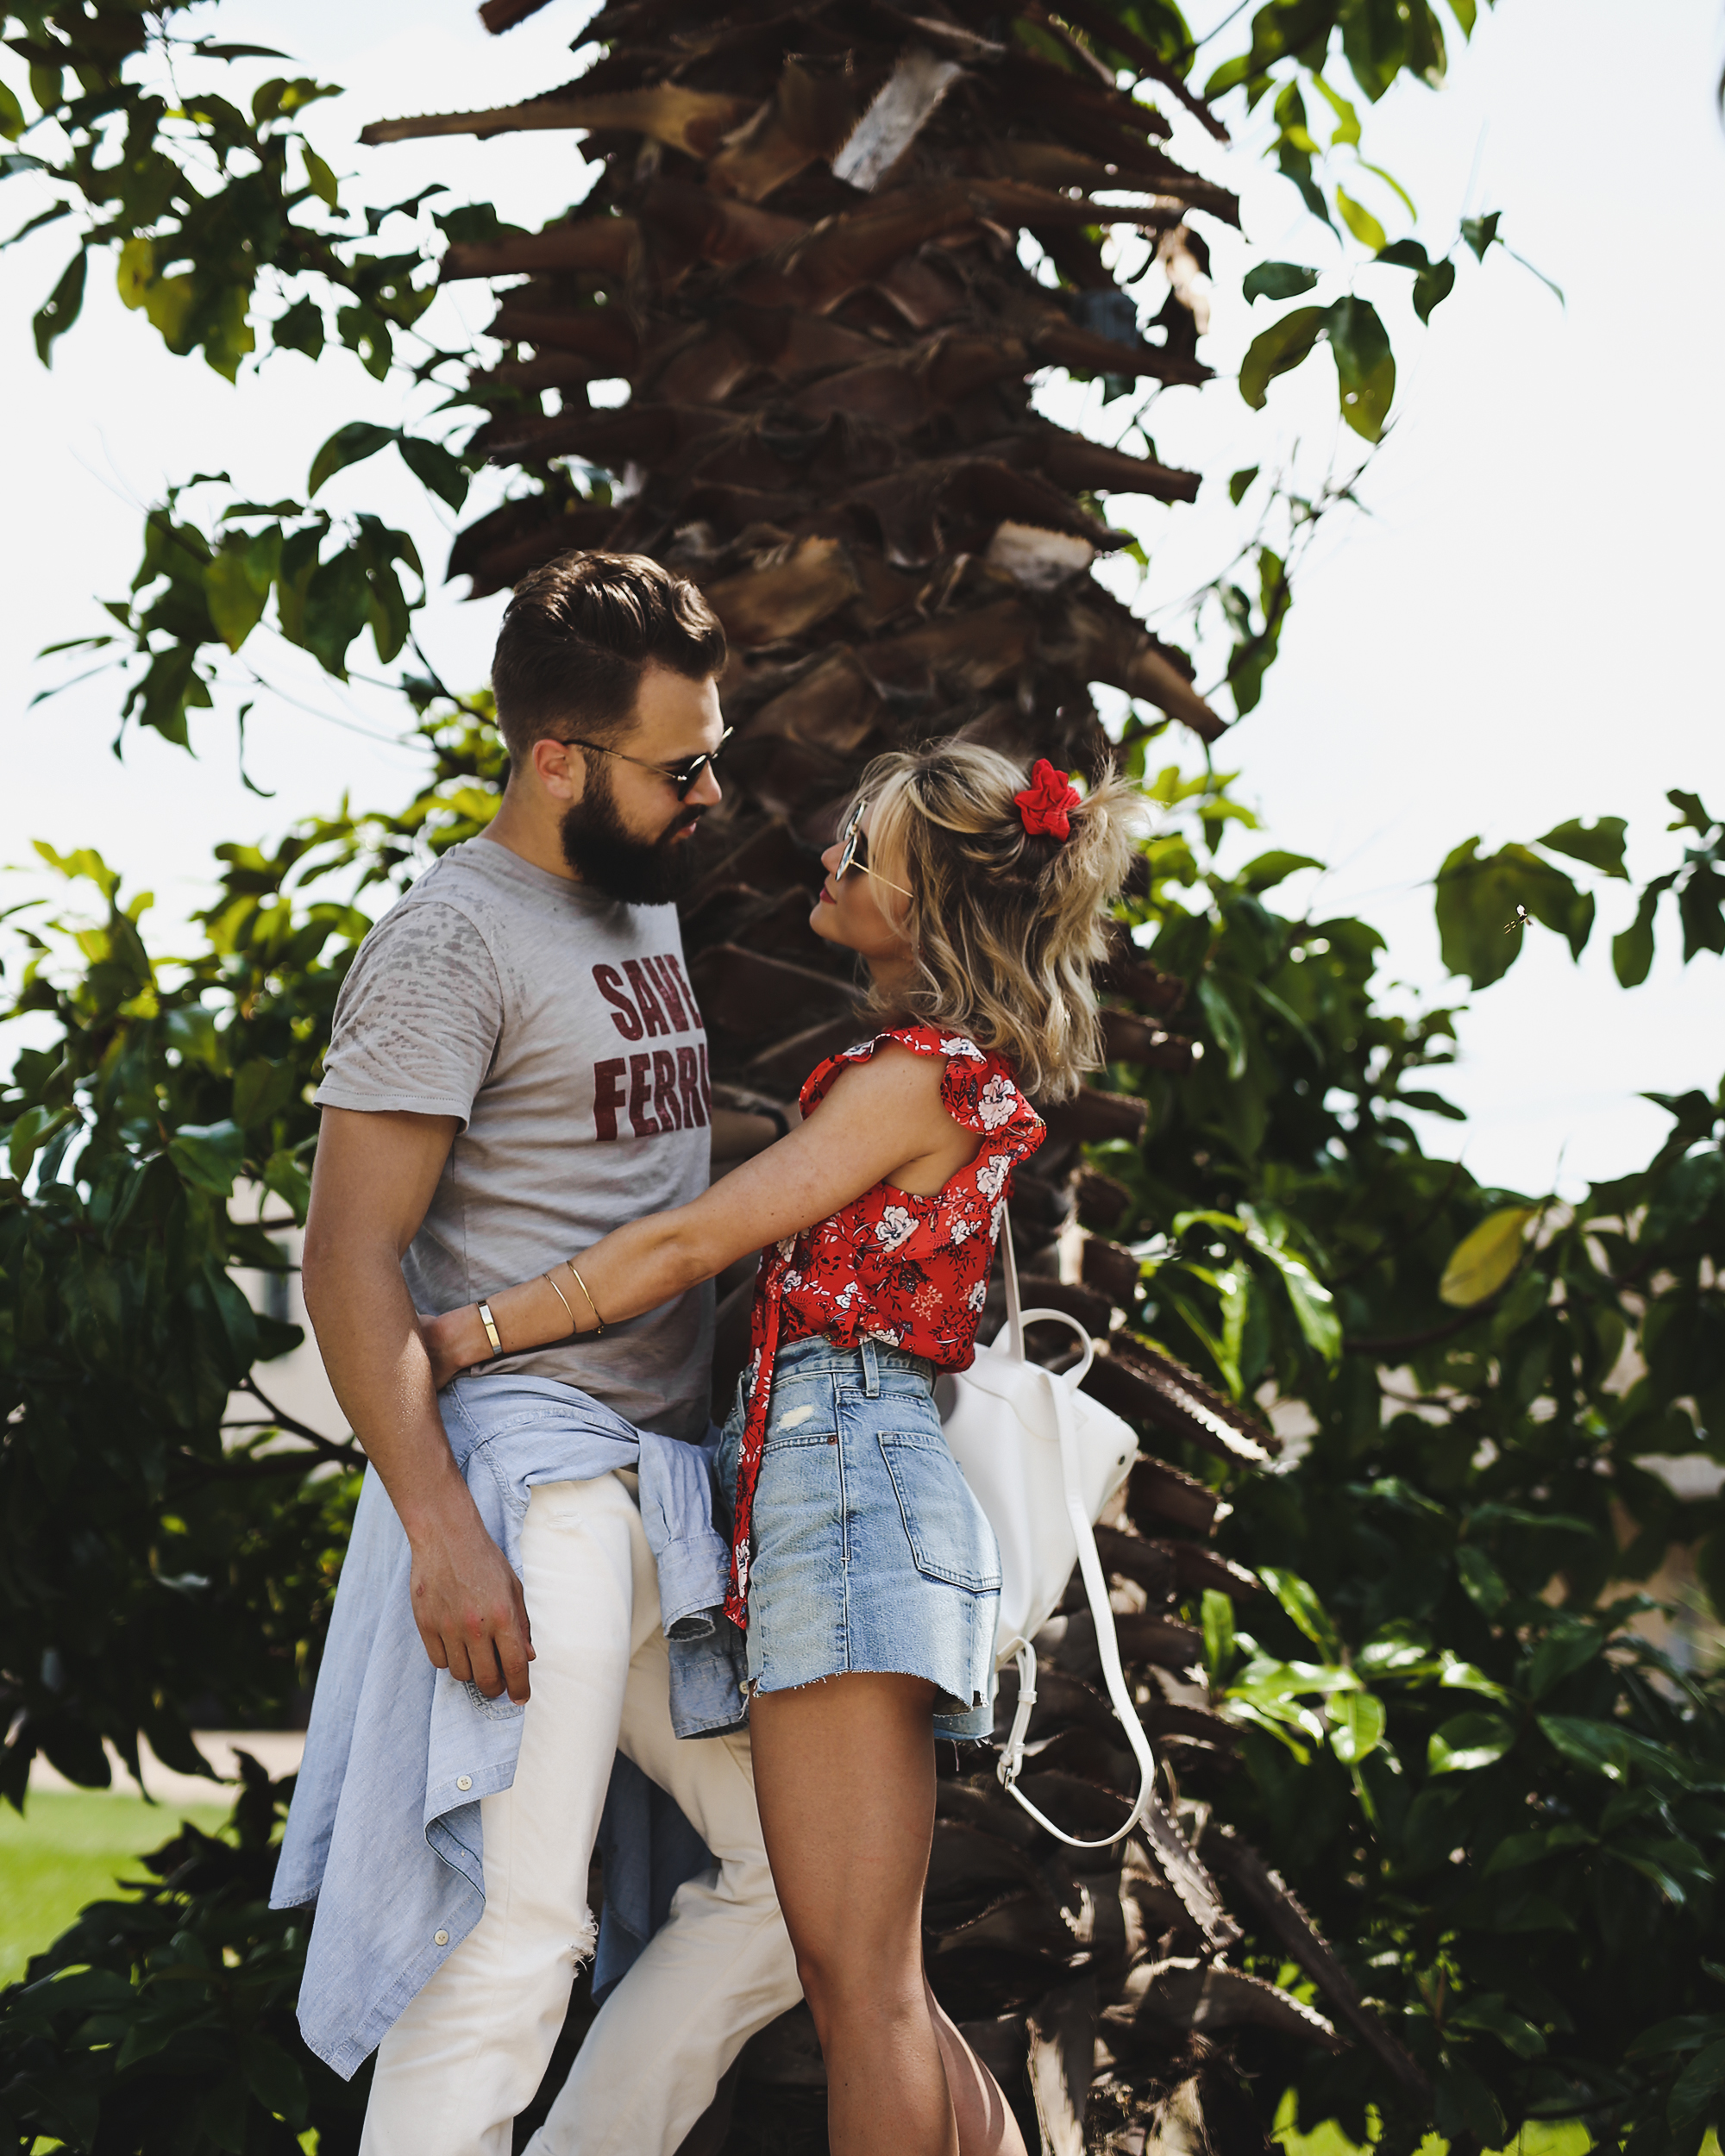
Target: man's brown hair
575	639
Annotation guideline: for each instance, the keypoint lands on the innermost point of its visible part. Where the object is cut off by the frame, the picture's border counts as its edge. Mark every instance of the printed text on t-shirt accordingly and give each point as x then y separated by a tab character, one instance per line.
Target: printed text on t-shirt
662	1089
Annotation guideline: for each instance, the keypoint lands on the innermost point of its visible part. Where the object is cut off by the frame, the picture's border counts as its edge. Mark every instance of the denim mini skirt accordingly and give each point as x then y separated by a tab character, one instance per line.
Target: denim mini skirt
870	1552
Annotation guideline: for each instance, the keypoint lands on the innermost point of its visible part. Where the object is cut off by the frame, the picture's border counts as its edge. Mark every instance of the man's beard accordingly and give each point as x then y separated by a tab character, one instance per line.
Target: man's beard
634	871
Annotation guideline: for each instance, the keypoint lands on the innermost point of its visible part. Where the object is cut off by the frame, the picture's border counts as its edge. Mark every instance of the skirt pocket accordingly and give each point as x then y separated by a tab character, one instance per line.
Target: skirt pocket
949	1537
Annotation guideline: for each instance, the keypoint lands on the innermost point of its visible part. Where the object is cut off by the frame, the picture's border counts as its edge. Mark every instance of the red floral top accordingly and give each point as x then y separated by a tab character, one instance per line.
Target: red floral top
909	1272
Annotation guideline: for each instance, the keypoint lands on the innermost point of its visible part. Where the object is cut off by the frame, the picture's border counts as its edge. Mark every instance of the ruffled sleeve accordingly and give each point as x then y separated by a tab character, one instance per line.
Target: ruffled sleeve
979	1092
921	1040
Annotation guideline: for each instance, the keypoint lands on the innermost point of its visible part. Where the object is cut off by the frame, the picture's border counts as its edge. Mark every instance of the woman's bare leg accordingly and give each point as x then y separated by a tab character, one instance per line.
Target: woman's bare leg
845	1777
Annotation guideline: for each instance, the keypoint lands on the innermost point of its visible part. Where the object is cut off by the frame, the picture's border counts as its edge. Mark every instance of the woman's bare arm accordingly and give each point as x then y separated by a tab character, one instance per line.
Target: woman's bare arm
882	1120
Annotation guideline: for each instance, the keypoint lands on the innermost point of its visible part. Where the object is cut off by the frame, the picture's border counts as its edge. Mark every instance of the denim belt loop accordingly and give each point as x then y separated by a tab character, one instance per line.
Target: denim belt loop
871	1371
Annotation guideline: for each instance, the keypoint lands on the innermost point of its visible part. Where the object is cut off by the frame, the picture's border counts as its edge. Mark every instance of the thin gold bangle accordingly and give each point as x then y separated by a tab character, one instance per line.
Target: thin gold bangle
562	1298
490	1324
598	1322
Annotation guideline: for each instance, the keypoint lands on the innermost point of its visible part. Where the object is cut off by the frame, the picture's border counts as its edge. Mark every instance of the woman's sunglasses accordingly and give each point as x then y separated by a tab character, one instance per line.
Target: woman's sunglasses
684	776
853	847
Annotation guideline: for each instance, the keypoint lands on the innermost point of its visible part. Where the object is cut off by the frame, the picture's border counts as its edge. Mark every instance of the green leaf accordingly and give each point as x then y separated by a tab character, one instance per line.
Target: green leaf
1603	1748
1219	1638
1228	76
300	328
1301	1604
275	2080
135	271
289	1180
1394	185
1360	1720
1433	281
261	1091
61	310
1565	1649
319	177
1695	2097
233	598
1270	869
1469	1742
1313	1307
1399	1648
1360	221
1466	1677
1531	1293
1278	280
1284	345
1515	1851
434	467
1480	232
1479	904
1238	482
1632	952
1347	120
1490	2015
1685	2032
12	122
350	444
338	598
1600	843
1225	1023
1692	814
1364	365
1484	1258
1481	1581
1433	286
208	1156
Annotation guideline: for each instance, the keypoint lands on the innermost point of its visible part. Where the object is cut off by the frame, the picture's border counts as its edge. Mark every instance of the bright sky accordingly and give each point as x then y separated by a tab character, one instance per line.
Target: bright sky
1518	633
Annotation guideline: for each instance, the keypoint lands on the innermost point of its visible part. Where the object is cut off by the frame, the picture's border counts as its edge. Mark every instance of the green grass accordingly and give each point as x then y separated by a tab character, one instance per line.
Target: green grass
70	1848
1568	2138
1563	2137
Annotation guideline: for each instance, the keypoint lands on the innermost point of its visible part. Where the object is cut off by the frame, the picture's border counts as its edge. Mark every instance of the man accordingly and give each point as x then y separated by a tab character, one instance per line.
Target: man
517	1066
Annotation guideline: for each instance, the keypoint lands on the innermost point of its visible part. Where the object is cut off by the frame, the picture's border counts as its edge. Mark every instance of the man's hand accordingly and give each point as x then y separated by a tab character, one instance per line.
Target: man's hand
467	1602
374	1176
453	1343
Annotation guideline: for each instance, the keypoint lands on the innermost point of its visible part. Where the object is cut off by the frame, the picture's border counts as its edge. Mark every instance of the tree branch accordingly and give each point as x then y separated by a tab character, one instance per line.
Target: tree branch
291	1424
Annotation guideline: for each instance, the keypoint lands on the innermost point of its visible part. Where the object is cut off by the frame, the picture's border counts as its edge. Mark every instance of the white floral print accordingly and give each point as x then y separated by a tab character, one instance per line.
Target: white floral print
996	1102
991	1180
960	1046
896	1226
977	1296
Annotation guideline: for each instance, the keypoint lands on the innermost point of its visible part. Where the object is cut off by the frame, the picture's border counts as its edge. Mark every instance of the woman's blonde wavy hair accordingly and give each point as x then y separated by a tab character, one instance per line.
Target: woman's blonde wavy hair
1005	926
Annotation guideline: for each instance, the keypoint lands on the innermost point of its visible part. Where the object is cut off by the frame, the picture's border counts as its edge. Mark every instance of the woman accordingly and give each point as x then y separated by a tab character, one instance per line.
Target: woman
864	1571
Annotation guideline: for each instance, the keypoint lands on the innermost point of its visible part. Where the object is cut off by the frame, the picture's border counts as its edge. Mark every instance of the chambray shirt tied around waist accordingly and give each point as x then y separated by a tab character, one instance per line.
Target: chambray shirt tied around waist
385	1828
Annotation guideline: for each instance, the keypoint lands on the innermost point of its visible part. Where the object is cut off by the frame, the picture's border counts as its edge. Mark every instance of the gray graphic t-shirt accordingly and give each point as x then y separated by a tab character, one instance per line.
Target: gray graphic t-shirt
558	1024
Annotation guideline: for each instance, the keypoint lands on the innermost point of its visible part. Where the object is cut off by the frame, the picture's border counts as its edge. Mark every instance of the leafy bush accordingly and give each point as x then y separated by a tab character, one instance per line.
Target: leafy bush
162	2025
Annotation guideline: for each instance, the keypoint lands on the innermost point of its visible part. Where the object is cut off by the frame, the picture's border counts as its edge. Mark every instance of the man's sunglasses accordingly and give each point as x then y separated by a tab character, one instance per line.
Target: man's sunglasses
853	846
684	777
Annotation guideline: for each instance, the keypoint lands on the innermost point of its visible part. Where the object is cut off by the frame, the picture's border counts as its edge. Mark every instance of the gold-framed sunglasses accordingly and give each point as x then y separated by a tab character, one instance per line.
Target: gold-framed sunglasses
684	776
853	848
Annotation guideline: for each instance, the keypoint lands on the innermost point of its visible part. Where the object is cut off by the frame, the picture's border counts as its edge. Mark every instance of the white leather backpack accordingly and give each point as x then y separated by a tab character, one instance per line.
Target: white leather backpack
1043	1459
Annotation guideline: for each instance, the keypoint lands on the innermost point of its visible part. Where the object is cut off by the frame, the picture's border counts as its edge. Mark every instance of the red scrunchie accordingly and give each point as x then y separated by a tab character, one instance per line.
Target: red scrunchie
1046	802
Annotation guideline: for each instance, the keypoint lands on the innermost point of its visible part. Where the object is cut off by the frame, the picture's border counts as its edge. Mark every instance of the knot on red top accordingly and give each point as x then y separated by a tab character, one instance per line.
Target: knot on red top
1047	802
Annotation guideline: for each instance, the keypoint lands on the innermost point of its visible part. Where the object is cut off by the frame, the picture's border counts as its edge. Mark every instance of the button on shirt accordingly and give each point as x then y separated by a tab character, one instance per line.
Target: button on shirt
385	1828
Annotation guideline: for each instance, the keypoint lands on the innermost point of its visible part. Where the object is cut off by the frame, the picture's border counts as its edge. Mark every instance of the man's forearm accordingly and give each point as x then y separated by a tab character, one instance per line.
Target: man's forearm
378	1367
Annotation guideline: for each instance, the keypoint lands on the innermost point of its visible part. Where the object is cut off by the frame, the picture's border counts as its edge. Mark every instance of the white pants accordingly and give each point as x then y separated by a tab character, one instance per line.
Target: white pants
470	2051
